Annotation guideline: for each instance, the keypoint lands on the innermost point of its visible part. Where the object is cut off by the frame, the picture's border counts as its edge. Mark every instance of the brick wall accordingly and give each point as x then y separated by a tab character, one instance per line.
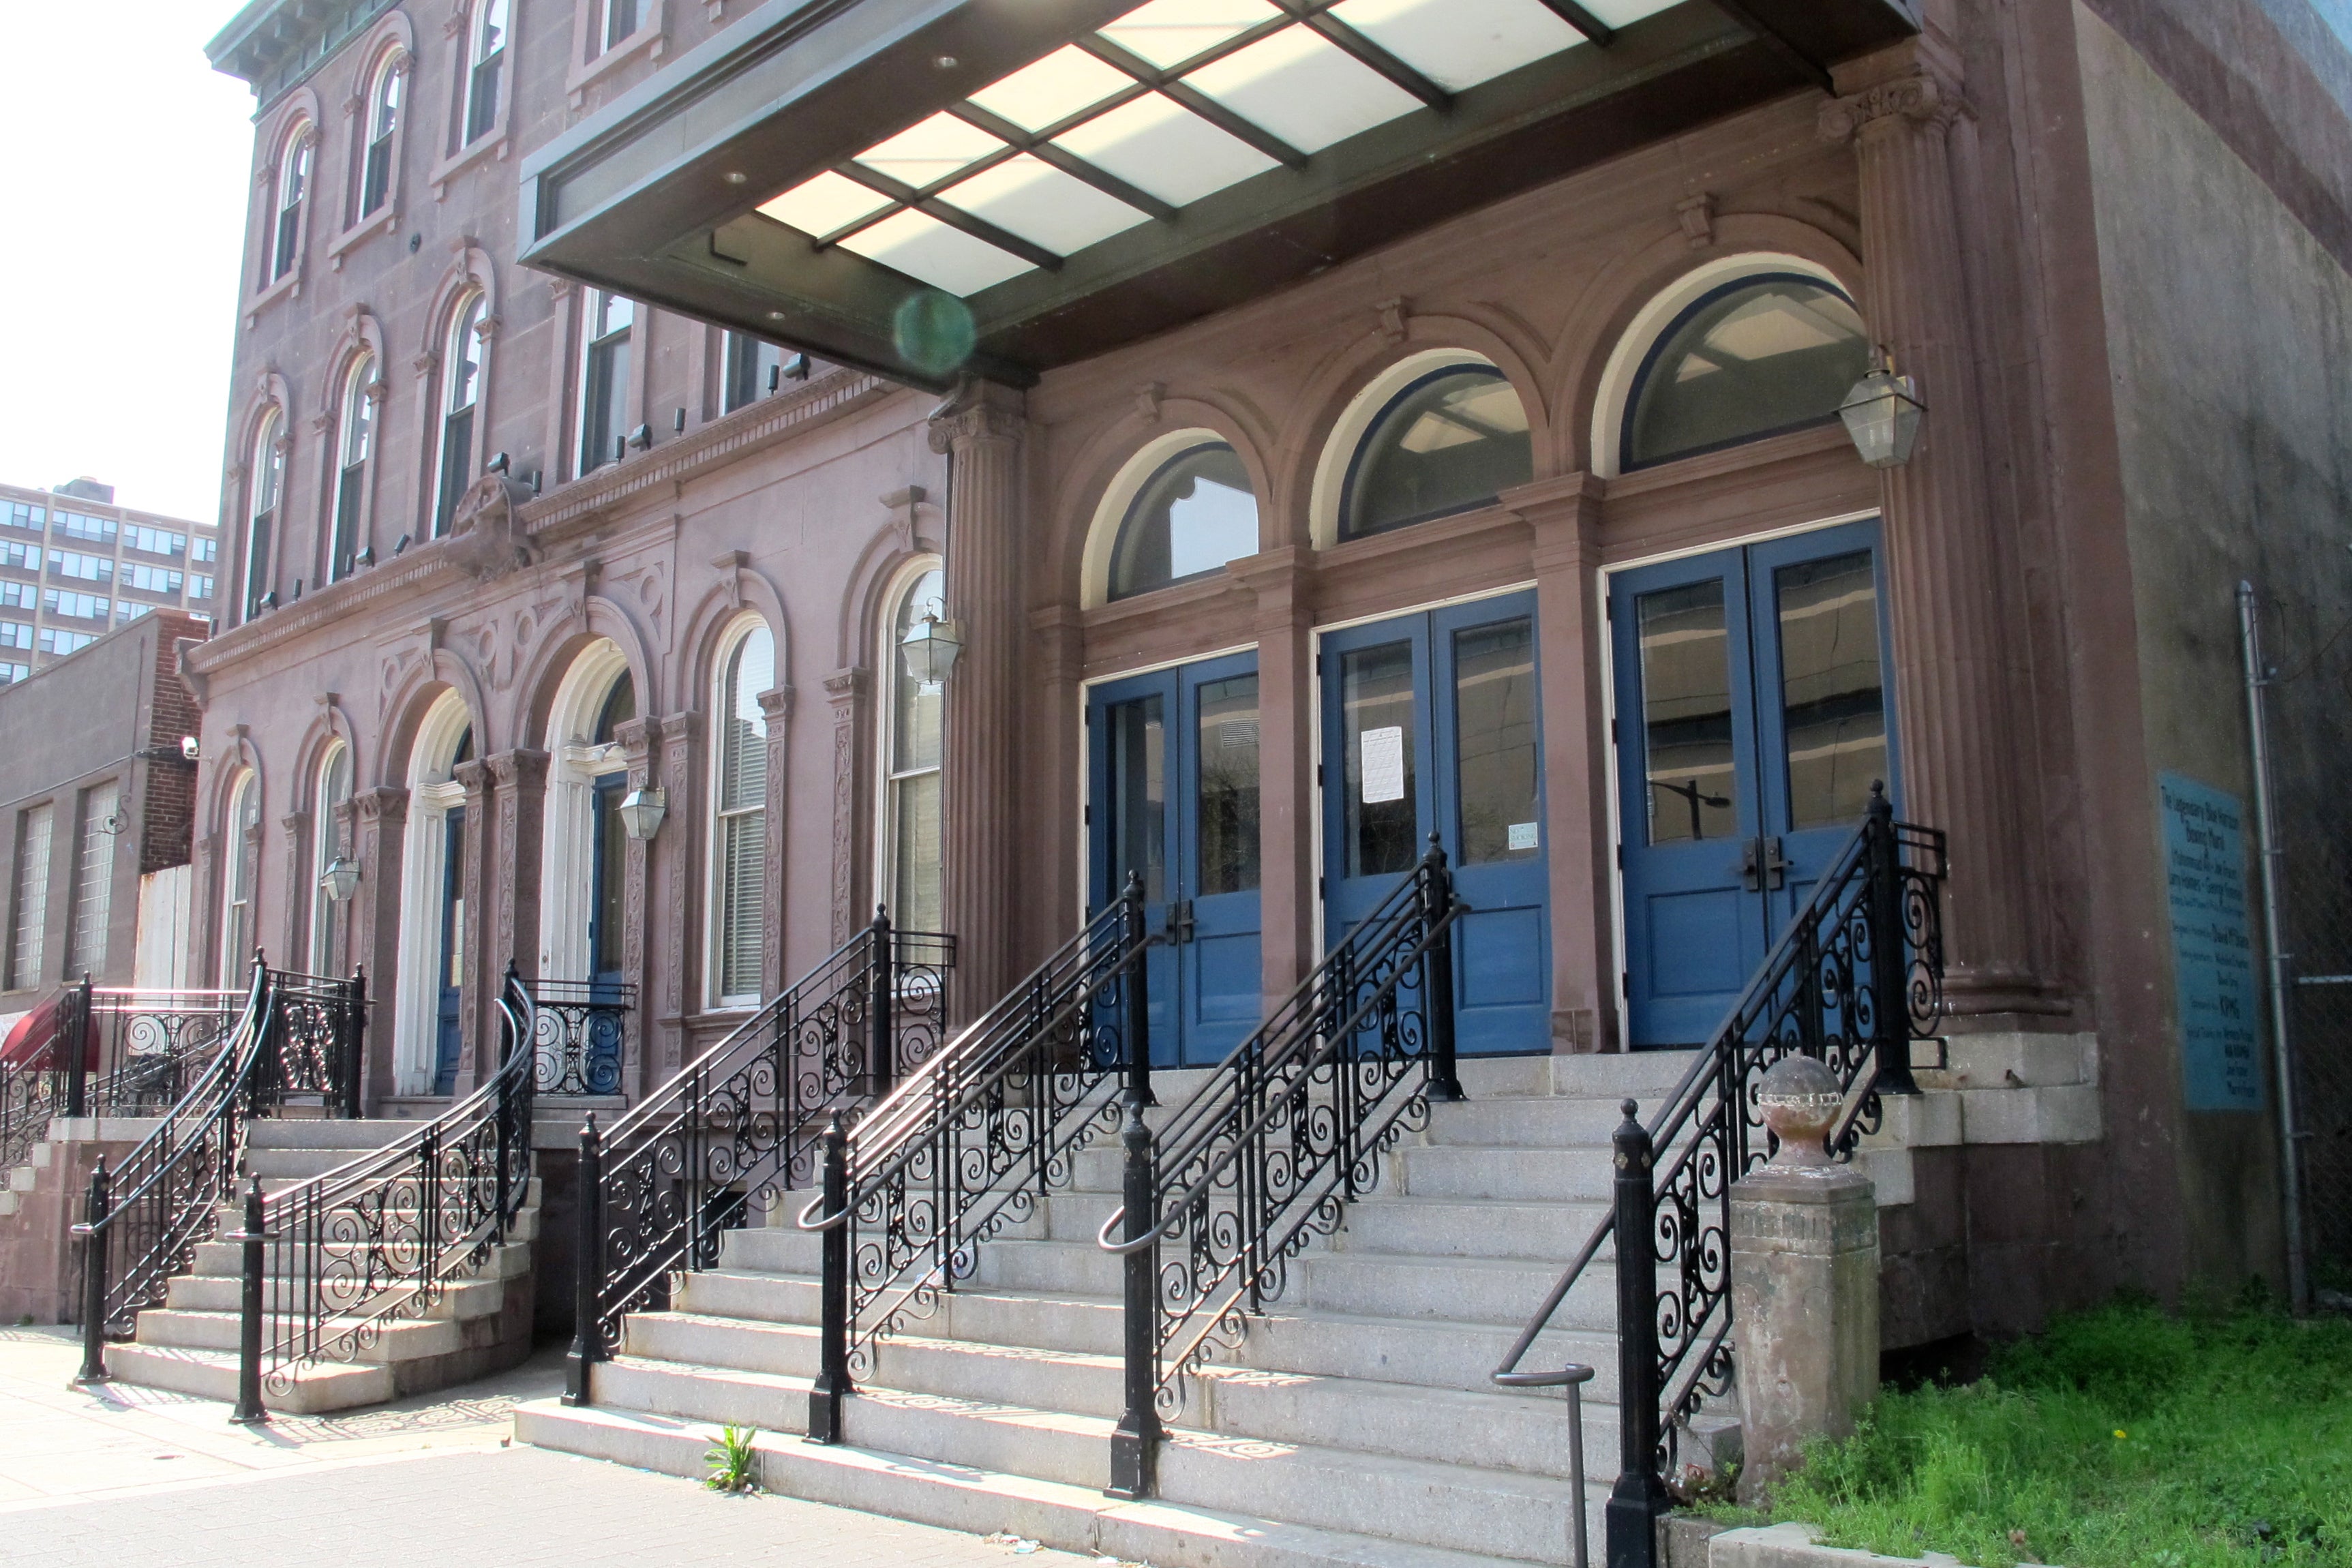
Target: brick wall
167	832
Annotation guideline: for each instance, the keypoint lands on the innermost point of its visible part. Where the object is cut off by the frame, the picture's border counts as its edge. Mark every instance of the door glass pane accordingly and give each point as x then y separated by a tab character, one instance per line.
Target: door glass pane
453	863
612	852
1138	738
1495	728
1686	713
1228	803
1381	827
1832	694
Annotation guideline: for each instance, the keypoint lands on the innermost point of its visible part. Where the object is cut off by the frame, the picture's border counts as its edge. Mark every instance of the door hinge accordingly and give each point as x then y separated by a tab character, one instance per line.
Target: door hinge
1318	775
1620	857
1322	888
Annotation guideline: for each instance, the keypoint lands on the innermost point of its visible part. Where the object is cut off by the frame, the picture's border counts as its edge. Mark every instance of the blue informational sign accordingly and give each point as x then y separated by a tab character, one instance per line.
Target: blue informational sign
2212	951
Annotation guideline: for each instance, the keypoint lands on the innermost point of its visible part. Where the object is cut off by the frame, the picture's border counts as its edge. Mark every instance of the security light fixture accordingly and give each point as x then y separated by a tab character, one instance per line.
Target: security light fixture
189	751
642	811
496	464
931	648
400	544
677	421
642	436
1882	413
341	880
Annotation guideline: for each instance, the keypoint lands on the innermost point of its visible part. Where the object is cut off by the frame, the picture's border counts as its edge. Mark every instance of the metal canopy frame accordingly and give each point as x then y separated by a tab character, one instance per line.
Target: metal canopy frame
657	196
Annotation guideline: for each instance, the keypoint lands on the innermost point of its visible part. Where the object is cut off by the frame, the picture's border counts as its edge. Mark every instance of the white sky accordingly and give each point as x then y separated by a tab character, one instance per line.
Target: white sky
122	200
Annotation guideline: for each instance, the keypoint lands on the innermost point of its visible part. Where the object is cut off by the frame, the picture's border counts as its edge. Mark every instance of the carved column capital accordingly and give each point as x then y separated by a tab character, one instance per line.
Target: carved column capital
523	768
380	805
979	413
1919	97
846	685
475	777
776	704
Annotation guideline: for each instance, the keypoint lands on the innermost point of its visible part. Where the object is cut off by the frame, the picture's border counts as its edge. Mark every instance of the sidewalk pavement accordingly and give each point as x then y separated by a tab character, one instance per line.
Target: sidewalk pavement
125	1477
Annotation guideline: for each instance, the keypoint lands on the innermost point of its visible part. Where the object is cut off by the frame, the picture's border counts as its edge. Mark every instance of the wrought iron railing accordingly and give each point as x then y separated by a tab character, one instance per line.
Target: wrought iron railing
1290	1129
333	1261
575	1042
743	1122
110	1051
1855	978
318	1031
970	1142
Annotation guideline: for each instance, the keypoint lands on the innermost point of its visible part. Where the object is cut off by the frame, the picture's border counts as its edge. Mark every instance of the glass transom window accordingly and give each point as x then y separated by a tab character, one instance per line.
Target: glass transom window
1196	512
1758	357
1452	440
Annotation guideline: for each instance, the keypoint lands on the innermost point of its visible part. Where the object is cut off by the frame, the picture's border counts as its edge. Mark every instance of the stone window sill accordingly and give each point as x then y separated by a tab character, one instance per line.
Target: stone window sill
490	144
367	228
287	287
648	40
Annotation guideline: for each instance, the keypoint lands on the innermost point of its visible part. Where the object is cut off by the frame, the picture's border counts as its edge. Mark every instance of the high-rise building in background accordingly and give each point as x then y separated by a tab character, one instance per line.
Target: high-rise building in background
73	566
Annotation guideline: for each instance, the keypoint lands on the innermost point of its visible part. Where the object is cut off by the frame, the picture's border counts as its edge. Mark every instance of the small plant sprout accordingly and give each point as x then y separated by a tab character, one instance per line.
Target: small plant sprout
734	1463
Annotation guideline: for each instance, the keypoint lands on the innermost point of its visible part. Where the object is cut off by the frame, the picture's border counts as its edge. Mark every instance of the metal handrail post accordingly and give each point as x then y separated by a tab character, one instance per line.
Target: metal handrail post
508	1046
2280	960
1135	1442
1640	1497
74	1060
1437	973
92	1231
833	1383
882	1013
1889	952
355	1052
1136	941
249	1411
587	1284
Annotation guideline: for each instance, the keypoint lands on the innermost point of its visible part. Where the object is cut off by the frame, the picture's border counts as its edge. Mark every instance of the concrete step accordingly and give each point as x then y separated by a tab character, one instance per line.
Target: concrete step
722	1396
1469	1228
404	1338
758	1297
788	1350
1480	1290
350	1137
225	1260
1572	1173
1531	1121
231	1218
782	1249
212	1374
218	1293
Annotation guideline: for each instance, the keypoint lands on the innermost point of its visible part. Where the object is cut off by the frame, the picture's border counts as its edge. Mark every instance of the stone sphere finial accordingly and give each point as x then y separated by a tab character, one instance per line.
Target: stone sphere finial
1800	1100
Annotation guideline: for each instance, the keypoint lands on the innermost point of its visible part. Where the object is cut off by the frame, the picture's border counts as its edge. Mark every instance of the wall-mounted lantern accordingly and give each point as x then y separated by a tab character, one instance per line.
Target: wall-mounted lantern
1882	413
341	880
930	648
642	811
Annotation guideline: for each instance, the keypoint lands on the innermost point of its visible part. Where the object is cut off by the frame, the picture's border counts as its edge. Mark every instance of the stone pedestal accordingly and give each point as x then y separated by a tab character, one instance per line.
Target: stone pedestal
1804	1284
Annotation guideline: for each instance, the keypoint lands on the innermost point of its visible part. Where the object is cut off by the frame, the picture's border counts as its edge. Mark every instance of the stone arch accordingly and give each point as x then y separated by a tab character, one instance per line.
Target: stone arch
588	619
413	697
1123	450
741	586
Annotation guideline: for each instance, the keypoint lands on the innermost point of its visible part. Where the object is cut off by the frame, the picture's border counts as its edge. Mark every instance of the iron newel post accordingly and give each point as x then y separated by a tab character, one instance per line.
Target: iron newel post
1137	942
882	1059
1135	1442
833	1382
1437	973
92	1230
587	1285
256	1240
1640	1497
1889	949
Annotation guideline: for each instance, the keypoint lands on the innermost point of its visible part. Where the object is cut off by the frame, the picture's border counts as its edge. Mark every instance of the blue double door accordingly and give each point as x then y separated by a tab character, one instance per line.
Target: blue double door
1173	797
1433	724
1752	720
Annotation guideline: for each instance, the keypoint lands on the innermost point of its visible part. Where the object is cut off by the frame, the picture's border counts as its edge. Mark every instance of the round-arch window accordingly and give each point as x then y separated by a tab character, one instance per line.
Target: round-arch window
620	707
1196	512
1755	358
1454	439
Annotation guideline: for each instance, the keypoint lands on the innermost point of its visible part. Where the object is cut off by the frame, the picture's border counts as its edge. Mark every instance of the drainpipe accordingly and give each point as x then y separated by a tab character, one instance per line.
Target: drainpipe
2257	677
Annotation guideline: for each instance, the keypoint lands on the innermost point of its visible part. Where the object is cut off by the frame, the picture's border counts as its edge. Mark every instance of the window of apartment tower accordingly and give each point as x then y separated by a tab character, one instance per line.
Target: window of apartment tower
293	185
486	59
269	480
738	876
912	755
603	377
355	439
461	392
755	369
383	118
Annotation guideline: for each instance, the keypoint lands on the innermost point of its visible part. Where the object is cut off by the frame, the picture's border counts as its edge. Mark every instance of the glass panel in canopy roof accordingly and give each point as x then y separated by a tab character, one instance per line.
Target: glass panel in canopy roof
1457	43
1164	149
1304	89
1051	90
931	252
1625	13
820	206
1027	197
930	150
1169	32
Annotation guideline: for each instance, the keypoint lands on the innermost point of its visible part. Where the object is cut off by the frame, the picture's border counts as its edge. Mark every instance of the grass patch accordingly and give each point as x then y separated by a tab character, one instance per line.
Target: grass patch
2123	1437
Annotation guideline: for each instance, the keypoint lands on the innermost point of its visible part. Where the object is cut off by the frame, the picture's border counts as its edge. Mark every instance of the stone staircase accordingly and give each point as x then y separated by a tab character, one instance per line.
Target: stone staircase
1356	1423
480	1325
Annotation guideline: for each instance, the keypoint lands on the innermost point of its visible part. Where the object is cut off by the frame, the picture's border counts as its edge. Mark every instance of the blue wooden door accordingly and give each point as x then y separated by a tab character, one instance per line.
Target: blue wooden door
449	1039
1173	795
1751	721
1431	722
606	967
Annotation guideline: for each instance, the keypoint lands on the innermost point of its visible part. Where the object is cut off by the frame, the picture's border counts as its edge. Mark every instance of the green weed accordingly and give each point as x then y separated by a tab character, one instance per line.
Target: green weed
734	1464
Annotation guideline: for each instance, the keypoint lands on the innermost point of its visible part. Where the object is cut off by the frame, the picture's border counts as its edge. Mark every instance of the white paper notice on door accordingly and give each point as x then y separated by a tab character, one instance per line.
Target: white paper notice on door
1383	764
1522	835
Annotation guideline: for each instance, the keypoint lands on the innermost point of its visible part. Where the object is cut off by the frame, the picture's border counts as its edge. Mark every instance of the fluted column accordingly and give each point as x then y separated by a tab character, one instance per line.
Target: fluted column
472	1004
673	866
1951	626
981	431
776	707
520	778
379	843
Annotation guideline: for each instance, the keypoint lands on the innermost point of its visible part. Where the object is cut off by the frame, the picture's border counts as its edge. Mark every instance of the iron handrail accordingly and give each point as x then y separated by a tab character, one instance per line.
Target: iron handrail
141	1039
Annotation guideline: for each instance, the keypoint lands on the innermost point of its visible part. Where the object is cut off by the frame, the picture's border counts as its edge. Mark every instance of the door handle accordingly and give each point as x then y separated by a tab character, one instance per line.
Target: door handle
1751	865
1776	865
1180	922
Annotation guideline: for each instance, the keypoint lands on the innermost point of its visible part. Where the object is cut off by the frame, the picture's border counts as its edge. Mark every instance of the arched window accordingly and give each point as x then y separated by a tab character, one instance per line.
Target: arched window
1449	441
584	850
382	119
461	393
739	852
327	843
266	486
354	438
620	707
486	59
604	324
1191	516
293	185
240	863
912	752
1759	356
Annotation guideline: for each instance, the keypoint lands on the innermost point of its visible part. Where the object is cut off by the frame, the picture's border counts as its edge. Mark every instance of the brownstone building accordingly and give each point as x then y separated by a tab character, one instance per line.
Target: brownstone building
1319	427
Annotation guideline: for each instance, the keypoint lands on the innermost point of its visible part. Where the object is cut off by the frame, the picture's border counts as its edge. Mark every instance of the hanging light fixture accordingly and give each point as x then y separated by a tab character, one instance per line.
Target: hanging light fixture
341	880
642	811
930	648
1882	413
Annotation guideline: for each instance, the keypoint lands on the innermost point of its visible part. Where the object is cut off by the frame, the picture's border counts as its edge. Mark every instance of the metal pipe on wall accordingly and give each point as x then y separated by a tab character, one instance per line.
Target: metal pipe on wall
2258	678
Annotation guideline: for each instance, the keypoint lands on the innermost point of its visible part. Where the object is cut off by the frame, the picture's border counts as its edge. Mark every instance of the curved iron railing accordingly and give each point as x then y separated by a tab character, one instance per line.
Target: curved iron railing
660	1187
379	1239
1266	1155
575	1039
138	1055
319	1028
1853	980
969	1143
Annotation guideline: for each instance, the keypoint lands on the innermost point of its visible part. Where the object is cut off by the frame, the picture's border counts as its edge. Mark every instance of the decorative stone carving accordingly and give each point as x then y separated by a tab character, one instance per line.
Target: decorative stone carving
1916	97
1147	399
486	539
1800	1100
846	693
1392	316
1696	214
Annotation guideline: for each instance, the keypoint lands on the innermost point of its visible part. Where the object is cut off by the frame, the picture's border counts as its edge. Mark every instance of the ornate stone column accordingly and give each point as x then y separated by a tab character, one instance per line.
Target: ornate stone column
637	738
674	870
848	692
300	888
520	778
205	927
776	706
981	429
473	1005
1952	627
1565	515
379	843
1283	583
1052	764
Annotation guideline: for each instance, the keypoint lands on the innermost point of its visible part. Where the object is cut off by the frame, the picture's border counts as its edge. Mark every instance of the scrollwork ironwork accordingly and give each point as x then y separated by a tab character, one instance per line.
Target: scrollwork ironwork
576	1039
